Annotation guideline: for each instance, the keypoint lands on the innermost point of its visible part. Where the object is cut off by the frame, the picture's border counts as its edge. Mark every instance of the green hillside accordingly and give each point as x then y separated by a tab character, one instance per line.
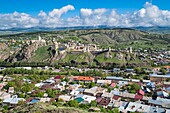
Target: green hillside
41	54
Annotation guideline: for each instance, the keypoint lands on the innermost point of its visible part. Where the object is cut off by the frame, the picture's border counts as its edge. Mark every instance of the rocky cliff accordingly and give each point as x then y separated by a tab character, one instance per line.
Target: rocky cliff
26	52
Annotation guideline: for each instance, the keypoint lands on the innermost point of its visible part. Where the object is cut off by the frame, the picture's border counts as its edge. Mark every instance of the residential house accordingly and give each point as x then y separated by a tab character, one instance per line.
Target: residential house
2	85
98	99
60	86
137	107
167	110
114	78
111	104
81	90
65	98
32	100
139	95
162	93
84	79
88	98
121	105
11	90
145	98
94	90
39	84
1	77
13	100
127	95
45	100
112	85
129	70
158	78
107	95
116	69
79	100
74	92
104	102
116	98
167	89
122	83
116	92
150	85
58	77
156	110
4	95
74	87
49	81
102	82
162	102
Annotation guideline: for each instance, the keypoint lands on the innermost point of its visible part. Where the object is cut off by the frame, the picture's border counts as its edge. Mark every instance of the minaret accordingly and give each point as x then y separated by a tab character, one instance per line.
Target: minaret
39	38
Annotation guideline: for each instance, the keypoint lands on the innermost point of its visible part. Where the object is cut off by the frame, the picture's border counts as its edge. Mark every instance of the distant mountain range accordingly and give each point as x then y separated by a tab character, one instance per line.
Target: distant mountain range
156	29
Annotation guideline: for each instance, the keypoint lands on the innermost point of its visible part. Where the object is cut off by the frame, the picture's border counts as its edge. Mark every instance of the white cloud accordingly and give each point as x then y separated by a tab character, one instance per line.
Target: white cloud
53	18
93	17
150	15
17	20
85	12
59	12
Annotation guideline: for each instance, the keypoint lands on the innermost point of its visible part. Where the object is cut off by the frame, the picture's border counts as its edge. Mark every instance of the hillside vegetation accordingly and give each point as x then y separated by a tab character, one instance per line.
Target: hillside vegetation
45	108
104	38
110	37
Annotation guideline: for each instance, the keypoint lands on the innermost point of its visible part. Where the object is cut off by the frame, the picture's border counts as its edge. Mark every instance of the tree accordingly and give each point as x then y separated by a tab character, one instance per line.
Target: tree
73	103
6	107
116	110
164	71
93	103
138	70
26	88
10	84
21	95
135	86
92	84
39	94
51	93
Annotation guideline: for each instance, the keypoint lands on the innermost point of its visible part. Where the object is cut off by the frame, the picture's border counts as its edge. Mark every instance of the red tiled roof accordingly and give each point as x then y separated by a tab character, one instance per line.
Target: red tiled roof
113	85
104	102
84	78
141	92
58	77
115	97
98	100
168	67
139	97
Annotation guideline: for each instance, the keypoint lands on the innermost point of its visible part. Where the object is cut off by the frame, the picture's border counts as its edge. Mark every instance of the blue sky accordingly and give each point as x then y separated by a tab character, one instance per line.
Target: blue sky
58	13
34	6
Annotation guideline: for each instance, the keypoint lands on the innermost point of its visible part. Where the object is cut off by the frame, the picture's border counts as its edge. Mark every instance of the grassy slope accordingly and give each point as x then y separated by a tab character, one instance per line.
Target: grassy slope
143	44
101	58
45	108
119	37
83	57
77	57
40	54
